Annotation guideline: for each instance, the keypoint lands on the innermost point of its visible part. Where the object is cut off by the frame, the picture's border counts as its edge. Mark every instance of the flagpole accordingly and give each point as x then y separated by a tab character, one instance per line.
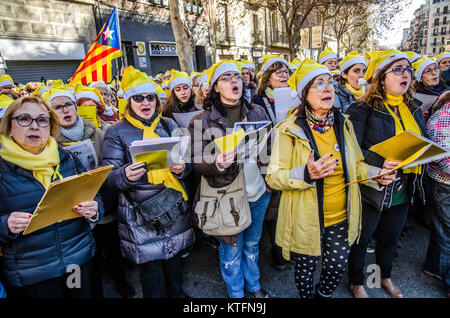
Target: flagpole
120	39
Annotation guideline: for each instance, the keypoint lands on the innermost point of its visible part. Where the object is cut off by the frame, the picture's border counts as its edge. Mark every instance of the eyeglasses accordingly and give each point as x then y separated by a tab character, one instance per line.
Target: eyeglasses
280	73
400	70
60	108
434	70
321	86
140	98
229	77
25	121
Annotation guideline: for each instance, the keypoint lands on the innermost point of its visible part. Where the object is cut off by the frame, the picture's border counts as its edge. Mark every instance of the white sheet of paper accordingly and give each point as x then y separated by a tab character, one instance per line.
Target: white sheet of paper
284	103
183	119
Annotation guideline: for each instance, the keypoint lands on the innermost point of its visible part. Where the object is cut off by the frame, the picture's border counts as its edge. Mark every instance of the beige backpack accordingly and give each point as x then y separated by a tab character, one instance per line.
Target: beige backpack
223	211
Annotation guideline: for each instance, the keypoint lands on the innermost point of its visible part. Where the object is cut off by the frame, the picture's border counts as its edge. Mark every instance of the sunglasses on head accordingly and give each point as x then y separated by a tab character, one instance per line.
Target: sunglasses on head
140	98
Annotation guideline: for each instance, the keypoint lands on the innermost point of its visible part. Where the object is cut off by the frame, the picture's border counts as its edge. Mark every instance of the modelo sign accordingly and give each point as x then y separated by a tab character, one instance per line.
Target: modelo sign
163	49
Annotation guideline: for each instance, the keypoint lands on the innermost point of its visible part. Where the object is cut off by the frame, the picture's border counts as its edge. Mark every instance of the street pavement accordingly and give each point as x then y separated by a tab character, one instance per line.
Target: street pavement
202	278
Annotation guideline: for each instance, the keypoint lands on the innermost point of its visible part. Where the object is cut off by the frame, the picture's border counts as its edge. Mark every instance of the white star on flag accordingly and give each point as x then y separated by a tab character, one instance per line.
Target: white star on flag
108	34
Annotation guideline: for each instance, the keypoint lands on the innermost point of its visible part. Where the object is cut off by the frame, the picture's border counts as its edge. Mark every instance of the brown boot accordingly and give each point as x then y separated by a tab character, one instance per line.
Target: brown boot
391	288
359	291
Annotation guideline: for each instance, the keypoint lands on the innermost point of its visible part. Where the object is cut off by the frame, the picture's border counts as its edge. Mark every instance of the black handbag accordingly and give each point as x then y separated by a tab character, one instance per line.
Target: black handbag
163	209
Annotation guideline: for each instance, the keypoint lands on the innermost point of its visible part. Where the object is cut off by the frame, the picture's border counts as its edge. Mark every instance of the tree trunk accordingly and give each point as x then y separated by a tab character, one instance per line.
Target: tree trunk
213	28
183	37
338	44
322	44
291	46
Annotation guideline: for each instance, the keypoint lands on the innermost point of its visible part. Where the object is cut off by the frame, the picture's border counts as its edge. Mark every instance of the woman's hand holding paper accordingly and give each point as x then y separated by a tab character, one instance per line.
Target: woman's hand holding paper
389	165
386	179
18	221
178	168
87	209
225	159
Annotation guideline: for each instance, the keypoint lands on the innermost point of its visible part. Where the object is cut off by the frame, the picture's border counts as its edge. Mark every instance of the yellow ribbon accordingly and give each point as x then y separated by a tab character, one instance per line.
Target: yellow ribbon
408	121
159	176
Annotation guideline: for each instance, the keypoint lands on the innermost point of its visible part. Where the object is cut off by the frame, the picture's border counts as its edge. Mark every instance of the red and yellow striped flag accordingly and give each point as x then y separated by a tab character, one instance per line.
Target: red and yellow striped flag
96	65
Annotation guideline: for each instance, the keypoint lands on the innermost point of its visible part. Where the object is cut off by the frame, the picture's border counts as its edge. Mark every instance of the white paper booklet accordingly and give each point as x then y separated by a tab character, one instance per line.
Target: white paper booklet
159	153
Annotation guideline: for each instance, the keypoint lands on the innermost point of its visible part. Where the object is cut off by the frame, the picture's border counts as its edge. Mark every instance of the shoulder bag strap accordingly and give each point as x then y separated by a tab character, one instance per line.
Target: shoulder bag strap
269	109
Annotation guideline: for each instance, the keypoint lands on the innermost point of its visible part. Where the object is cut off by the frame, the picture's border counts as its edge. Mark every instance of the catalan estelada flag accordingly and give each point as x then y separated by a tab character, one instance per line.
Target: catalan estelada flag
96	65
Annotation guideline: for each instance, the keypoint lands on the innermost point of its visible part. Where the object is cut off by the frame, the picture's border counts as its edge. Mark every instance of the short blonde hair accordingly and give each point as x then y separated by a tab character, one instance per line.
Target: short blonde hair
5	125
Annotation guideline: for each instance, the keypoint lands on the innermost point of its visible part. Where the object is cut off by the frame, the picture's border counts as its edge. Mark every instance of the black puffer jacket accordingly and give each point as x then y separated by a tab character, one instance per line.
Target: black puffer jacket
45	253
138	242
373	126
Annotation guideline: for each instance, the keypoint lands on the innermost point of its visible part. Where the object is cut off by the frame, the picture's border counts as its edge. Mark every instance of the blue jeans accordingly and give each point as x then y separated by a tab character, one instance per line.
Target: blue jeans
440	216
239	264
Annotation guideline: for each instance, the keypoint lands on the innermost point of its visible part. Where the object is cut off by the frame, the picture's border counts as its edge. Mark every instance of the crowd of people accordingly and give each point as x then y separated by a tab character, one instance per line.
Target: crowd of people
323	195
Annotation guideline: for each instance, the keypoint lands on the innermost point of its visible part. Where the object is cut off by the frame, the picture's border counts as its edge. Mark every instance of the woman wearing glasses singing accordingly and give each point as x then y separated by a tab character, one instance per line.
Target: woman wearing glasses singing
155	249
38	264
224	107
314	156
74	129
429	85
386	110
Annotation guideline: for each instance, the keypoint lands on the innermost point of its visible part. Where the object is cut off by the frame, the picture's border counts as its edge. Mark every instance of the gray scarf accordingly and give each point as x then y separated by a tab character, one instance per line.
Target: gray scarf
76	132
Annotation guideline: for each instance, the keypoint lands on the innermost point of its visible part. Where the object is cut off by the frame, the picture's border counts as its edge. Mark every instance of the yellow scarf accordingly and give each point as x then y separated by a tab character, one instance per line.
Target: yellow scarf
162	175
358	93
41	164
408	121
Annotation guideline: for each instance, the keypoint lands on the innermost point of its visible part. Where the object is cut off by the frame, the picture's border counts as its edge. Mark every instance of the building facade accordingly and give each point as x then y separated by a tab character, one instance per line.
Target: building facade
44	39
418	31
248	30
47	39
148	42
439	30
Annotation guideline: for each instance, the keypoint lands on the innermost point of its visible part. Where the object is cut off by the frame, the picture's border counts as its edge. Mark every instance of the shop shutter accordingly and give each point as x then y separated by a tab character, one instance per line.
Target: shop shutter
160	64
32	71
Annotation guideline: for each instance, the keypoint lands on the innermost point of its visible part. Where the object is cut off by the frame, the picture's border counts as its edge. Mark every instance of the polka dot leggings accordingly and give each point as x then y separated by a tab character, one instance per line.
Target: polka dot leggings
334	262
